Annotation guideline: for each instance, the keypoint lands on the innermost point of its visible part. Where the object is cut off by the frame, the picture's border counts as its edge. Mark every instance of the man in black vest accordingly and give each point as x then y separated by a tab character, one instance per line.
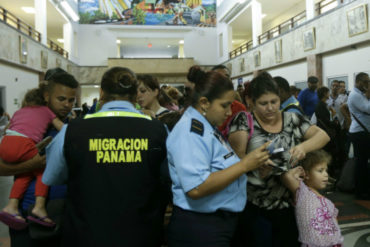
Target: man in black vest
111	162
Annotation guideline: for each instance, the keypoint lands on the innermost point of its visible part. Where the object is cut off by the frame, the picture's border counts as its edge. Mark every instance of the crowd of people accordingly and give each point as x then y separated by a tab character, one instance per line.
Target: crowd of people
241	167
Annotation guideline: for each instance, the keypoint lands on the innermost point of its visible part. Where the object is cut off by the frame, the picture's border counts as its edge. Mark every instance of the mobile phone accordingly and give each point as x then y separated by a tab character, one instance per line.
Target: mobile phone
272	149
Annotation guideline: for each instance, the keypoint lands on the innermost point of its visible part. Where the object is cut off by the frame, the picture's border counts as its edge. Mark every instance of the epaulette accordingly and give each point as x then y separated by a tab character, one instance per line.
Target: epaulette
197	127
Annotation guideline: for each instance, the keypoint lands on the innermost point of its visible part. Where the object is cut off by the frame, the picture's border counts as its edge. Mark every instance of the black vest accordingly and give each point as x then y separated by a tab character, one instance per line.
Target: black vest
114	182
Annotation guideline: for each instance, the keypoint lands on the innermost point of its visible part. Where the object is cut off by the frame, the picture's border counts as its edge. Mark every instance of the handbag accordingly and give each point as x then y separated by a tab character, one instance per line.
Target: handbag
332	132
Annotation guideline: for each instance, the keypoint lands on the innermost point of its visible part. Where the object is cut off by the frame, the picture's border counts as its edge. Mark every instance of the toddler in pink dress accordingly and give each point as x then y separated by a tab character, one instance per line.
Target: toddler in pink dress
315	214
27	127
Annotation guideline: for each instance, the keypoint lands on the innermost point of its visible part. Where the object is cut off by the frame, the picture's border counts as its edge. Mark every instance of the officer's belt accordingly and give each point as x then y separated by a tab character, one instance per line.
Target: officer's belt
117	114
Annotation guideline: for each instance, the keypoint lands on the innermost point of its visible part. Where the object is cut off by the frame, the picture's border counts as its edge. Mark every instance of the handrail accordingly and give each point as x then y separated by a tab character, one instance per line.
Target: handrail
11	20
282	28
52	45
242	49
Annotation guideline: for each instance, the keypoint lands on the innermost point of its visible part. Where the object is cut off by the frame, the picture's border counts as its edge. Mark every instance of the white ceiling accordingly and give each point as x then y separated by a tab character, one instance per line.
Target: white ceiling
273	9
55	20
241	26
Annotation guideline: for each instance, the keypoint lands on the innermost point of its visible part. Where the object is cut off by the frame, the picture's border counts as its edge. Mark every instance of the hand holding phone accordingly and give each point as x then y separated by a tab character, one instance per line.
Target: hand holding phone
272	149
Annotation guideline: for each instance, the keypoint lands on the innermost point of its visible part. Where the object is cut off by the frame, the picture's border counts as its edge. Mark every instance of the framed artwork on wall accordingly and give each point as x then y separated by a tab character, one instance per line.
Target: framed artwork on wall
22	49
44	59
242	64
300	84
229	66
257	58
278	51
344	78
357	20
309	39
58	63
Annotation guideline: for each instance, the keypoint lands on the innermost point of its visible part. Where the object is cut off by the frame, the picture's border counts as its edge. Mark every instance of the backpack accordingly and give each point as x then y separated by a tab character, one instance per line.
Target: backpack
225	131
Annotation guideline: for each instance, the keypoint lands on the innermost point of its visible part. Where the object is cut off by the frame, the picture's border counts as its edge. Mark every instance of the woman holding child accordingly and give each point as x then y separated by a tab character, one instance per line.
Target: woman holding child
268	219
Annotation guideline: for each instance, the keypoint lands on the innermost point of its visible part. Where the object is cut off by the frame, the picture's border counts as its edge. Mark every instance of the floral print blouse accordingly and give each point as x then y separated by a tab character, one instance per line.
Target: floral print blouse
316	219
268	192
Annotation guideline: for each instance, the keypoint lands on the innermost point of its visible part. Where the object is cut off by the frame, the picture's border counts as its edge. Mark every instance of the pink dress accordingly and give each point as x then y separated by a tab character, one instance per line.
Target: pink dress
316	219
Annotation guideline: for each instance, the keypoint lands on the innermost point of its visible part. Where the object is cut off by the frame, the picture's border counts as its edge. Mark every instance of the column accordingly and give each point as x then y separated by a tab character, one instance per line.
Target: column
119	50
310	9
181	53
41	19
256	21
314	67
68	38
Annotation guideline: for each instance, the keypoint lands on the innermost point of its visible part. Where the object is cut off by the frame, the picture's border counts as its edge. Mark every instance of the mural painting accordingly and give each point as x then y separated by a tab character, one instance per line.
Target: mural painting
149	12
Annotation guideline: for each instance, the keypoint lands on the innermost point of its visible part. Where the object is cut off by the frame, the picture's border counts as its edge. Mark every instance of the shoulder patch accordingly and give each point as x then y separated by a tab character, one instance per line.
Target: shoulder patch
197	127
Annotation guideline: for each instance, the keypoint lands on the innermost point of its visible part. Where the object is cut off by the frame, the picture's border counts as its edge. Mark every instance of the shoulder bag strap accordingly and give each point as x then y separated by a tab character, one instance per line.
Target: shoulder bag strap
361	124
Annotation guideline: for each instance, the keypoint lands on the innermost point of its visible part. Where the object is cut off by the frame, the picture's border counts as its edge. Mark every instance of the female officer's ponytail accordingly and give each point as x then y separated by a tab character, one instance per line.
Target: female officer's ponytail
211	85
119	82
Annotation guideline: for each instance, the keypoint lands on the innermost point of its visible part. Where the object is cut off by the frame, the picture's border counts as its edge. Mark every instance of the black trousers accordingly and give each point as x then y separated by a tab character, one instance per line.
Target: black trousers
361	148
259	227
194	229
22	239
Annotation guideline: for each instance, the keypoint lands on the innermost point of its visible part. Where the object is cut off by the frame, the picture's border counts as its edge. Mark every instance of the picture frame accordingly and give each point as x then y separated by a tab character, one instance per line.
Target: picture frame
357	20
278	51
58	63
300	84
257	58
69	68
242	64
44	59
309	39
344	78
229	66
23	50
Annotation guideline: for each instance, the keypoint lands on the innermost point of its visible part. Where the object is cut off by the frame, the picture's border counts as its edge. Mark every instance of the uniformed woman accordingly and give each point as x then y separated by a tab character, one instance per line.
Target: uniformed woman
111	162
208	179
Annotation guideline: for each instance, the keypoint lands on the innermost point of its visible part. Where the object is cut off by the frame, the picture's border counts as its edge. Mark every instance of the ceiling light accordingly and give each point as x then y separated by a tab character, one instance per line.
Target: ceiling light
118	41
60	40
168	46
70	11
263	15
242	1
181	42
96	86
29	10
233	41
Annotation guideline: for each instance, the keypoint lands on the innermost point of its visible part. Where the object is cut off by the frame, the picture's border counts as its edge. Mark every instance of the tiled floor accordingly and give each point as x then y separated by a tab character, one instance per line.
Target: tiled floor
354	217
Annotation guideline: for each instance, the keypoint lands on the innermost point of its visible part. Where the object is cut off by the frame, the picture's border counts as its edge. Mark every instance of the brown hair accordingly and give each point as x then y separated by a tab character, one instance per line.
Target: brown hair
314	158
35	96
119	82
